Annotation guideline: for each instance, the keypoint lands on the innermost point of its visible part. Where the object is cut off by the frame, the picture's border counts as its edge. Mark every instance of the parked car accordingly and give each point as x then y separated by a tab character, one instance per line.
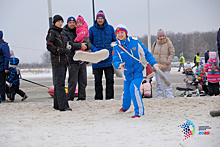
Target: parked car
175	62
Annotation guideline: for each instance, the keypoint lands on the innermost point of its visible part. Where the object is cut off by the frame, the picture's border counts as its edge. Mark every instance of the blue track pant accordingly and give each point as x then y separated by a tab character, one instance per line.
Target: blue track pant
132	91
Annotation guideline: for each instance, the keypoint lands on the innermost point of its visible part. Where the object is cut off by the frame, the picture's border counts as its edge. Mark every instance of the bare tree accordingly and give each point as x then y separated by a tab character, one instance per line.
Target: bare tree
189	43
46	58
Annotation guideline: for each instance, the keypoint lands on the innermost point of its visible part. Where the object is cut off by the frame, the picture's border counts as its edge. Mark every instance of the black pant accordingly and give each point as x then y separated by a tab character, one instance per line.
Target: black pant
109	76
213	88
2	85
60	99
205	88
77	73
15	89
196	64
7	90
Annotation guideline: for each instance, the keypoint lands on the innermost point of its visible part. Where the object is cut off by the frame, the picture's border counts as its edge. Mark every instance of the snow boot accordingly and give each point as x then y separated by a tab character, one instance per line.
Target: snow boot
135	116
24	97
122	110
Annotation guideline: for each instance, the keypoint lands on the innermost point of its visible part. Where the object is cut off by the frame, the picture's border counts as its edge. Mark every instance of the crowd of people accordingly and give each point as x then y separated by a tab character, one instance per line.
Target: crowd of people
127	53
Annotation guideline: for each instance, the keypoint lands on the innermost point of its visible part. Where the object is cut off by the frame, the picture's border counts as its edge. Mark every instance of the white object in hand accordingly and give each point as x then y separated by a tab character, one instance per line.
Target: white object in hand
93	57
162	76
68	46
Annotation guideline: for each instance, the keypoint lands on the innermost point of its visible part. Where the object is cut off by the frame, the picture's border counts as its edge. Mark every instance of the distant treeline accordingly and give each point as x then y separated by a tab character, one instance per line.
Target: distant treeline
190	43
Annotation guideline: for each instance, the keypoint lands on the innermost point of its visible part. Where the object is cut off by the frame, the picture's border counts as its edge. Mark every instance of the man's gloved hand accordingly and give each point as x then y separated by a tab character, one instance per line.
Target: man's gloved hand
60	51
63	51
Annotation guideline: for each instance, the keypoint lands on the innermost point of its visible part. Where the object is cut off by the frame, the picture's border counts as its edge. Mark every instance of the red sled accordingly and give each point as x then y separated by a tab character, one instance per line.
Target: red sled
51	91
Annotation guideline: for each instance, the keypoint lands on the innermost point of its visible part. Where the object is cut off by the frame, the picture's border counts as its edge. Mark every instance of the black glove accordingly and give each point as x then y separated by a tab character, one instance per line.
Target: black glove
60	51
63	51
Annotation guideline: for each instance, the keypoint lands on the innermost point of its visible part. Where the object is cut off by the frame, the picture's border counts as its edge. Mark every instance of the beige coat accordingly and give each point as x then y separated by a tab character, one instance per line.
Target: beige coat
188	79
164	53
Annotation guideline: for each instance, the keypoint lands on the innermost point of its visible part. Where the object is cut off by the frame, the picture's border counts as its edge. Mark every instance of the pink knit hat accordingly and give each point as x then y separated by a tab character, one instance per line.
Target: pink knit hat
80	19
212	54
160	32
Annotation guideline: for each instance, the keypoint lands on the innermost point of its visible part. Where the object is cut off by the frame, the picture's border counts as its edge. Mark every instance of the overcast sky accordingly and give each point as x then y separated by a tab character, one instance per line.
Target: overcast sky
25	22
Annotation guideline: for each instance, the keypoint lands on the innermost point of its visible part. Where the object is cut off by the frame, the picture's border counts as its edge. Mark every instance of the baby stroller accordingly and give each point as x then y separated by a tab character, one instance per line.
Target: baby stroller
187	92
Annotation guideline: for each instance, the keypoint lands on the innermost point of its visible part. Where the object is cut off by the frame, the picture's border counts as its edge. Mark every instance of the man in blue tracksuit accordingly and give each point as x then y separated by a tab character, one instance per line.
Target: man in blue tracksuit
101	35
133	69
4	63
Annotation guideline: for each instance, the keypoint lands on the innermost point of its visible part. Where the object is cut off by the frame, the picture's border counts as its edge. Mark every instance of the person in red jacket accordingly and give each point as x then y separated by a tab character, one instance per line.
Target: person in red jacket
213	77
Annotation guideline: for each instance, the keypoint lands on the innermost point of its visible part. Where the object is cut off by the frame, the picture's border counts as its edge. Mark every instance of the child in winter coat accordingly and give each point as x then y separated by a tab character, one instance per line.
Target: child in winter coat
126	53
14	81
145	89
189	78
202	78
213	76
82	32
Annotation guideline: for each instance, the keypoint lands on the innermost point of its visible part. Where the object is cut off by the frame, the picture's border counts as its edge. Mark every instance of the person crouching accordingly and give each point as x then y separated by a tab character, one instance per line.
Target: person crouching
189	77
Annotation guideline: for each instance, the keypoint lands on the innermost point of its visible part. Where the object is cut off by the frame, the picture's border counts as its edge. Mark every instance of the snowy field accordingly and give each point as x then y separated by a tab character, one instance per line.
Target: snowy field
35	123
99	124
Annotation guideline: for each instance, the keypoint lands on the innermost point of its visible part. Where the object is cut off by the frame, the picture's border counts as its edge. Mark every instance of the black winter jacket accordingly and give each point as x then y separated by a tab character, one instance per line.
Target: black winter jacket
218	42
56	46
70	35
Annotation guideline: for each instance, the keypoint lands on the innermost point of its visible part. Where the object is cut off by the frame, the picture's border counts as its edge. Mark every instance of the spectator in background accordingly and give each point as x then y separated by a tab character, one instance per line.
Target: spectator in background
164	52
58	53
77	69
213	74
181	62
206	56
101	35
4	63
196	60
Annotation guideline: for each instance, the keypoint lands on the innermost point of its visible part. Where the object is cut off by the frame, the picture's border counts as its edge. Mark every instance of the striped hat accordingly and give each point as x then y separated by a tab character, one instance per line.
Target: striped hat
121	27
100	14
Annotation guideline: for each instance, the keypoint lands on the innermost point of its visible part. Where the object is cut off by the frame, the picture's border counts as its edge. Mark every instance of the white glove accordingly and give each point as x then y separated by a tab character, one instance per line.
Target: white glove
68	46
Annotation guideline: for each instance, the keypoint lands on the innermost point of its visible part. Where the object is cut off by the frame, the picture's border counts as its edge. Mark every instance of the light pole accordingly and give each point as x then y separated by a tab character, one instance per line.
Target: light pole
50	23
50	12
93	7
